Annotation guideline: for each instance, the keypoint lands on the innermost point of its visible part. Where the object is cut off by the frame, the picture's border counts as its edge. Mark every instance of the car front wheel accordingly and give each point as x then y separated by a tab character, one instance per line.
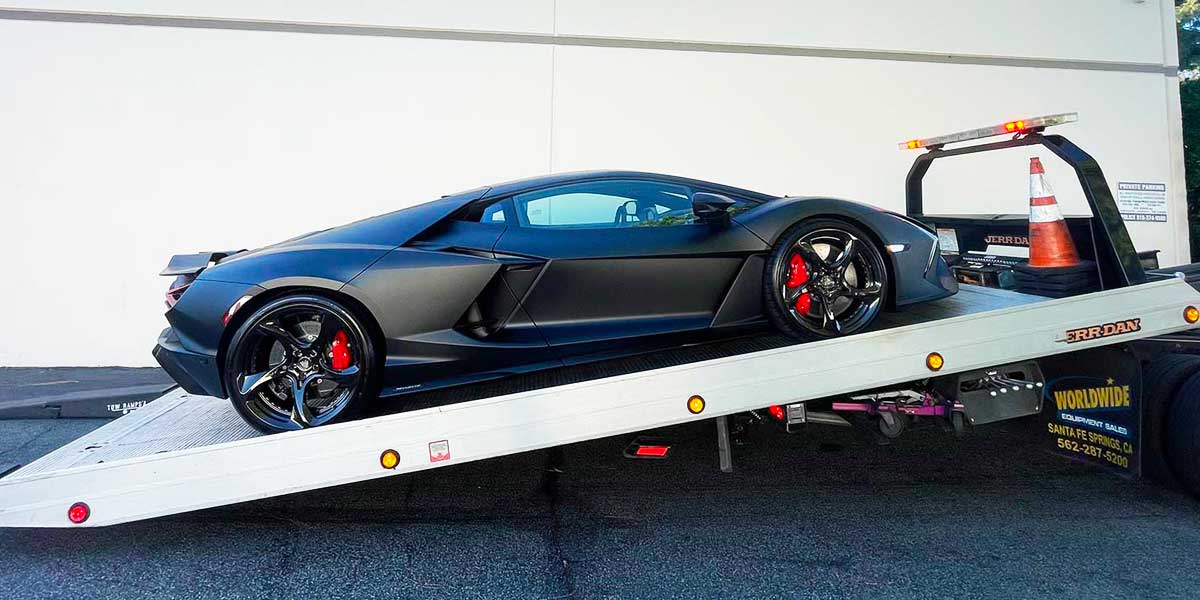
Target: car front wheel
825	278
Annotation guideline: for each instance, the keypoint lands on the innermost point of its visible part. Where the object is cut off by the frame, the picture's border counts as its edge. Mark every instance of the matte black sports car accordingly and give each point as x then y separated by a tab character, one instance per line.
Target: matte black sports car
527	275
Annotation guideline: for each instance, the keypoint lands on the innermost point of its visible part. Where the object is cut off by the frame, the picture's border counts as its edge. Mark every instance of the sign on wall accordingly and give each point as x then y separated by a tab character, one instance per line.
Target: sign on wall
1142	201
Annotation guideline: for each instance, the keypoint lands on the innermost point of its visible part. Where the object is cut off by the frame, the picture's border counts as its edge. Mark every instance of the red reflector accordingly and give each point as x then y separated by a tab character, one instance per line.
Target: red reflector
79	512
652	450
776	412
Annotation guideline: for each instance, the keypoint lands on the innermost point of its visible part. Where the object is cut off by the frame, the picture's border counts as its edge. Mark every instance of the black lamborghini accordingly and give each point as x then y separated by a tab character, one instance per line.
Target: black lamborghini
528	275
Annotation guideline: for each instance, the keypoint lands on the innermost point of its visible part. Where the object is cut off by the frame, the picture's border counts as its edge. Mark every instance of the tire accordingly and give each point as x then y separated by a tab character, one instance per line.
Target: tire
1160	380
1183	435
302	346
854	289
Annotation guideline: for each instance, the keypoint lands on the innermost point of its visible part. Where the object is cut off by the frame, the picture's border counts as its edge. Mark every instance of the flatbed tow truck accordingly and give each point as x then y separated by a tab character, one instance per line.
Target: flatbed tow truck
1110	367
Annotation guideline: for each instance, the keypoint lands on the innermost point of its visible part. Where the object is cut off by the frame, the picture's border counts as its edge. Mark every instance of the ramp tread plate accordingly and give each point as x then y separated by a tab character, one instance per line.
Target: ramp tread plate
176	421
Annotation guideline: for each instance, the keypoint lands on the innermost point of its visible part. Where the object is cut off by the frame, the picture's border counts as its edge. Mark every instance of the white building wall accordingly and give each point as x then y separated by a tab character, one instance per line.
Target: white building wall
125	143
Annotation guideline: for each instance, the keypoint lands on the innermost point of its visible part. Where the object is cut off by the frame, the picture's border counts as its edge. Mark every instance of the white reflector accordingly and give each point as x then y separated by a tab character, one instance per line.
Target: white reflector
1011	127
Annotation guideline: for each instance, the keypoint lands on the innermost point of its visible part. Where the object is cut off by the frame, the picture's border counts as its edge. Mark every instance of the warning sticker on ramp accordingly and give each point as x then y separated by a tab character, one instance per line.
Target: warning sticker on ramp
439	451
1142	201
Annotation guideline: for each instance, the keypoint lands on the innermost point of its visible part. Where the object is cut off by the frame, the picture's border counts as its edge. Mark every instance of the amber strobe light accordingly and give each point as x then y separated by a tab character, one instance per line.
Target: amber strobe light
934	361
695	405
79	512
389	459
1015	126
1191	314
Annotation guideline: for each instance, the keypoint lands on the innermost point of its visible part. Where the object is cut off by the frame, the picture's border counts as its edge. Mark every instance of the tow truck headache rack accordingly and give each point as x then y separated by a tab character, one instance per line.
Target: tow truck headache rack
182	452
1114	252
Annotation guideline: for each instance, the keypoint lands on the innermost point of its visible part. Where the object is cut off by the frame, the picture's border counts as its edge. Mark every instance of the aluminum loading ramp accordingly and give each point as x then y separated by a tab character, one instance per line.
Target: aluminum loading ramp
183	453
179	421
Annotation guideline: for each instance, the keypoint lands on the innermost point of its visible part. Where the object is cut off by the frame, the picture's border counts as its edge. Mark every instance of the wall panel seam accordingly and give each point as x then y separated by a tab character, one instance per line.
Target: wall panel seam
556	39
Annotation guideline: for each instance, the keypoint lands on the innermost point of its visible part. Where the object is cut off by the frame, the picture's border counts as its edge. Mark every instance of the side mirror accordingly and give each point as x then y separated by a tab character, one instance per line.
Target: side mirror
712	208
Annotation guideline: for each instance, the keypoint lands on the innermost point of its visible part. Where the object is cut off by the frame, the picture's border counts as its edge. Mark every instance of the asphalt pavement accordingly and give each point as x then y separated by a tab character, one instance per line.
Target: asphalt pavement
824	514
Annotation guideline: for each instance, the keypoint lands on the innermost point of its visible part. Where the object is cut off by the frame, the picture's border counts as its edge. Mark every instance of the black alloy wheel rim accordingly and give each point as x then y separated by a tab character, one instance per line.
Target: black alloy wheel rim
286	377
845	277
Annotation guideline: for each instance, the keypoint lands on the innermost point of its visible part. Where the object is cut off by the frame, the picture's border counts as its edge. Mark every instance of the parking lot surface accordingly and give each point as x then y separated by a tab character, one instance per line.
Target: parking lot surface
824	514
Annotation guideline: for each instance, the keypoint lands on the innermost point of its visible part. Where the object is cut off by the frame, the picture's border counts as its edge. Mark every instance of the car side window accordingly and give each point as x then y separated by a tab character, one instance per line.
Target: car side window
493	213
606	204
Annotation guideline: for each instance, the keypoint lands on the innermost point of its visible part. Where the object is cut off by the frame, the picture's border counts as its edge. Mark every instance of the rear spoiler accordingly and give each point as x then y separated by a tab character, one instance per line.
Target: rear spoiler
192	264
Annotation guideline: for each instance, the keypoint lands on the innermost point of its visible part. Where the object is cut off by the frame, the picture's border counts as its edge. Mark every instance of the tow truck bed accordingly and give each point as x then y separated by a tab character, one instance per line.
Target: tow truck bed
183	452
179	421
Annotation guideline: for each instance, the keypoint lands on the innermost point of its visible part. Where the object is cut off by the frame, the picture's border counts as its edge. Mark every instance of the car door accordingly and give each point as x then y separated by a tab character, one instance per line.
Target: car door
620	259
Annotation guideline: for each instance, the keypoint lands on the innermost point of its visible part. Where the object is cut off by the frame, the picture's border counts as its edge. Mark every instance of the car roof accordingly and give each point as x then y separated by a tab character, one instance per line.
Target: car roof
553	179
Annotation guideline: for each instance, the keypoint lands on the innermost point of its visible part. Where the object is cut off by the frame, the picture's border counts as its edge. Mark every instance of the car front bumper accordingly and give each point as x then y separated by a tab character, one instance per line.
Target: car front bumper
195	373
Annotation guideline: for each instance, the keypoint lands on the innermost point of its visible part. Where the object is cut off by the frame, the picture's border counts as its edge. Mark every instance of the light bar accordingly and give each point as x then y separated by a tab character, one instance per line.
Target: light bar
1011	127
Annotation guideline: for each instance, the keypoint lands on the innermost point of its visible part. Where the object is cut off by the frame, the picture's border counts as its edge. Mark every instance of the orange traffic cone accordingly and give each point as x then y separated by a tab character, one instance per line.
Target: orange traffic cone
1050	242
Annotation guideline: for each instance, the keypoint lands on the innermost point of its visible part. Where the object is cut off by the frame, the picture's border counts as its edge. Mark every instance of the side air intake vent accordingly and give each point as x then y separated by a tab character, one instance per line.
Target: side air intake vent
490	310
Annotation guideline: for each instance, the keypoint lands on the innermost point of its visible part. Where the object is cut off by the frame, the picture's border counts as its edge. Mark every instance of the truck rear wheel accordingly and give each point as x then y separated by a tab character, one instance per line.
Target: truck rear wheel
1183	435
1161	379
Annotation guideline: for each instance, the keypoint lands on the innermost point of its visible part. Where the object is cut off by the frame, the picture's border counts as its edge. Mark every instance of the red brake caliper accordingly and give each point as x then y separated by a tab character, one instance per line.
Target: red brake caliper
341	352
798	276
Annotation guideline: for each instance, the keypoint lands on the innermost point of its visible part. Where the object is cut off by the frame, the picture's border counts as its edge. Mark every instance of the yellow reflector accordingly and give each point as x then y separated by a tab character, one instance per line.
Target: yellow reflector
389	459
695	405
1191	314
934	361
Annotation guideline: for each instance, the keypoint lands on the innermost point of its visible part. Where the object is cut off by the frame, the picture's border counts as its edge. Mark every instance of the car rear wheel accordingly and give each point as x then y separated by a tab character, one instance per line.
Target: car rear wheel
825	278
299	361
